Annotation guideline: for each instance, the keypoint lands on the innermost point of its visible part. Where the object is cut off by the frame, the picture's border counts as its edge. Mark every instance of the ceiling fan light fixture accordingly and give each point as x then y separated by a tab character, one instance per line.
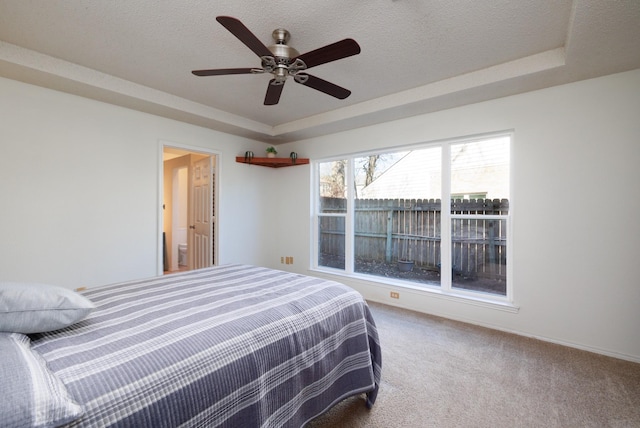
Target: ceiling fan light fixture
280	73
282	61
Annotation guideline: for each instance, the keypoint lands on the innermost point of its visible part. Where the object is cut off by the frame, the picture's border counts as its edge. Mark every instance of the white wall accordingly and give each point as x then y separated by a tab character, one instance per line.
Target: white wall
79	200
575	172
79	189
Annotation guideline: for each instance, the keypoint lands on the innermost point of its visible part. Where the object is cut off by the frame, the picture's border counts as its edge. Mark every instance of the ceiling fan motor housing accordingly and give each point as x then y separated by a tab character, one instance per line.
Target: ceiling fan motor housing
279	66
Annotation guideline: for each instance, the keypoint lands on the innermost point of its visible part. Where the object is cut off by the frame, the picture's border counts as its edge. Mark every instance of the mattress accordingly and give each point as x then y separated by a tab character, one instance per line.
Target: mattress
227	346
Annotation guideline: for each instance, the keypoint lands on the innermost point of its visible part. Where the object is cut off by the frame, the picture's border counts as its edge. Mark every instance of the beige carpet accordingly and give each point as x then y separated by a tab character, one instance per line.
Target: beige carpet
443	373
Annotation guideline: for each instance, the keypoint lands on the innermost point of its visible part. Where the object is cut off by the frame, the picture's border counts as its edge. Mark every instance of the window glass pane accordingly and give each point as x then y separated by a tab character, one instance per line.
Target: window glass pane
397	215
480	173
331	241
395	199
479	255
333	190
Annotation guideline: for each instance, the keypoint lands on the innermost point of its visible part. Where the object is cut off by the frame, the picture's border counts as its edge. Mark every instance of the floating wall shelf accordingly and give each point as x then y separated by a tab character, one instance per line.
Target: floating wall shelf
272	162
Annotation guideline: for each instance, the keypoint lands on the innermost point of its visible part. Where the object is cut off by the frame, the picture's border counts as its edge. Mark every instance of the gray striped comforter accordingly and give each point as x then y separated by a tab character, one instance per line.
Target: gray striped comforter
231	346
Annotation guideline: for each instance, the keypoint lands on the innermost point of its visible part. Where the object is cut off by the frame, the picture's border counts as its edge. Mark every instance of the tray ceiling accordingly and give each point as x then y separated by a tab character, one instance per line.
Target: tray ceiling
417	56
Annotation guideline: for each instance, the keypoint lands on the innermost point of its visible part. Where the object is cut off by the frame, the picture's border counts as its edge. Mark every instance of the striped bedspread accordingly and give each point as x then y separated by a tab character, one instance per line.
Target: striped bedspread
230	346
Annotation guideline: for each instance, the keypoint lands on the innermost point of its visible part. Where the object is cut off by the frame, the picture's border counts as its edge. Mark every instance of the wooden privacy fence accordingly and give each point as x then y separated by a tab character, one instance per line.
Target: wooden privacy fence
387	230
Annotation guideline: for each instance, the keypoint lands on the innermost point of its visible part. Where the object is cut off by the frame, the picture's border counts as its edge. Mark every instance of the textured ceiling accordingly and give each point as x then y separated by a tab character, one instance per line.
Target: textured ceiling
417	56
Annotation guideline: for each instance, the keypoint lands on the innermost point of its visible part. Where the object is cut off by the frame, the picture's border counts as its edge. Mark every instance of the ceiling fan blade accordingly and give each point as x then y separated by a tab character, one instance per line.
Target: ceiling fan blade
323	86
224	71
243	34
273	93
332	52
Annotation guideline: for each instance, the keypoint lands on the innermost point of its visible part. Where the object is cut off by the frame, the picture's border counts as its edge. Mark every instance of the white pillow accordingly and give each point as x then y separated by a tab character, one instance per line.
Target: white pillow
36	308
30	394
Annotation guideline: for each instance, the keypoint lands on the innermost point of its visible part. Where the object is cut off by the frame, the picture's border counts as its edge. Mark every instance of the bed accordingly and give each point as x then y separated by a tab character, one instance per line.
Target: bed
228	346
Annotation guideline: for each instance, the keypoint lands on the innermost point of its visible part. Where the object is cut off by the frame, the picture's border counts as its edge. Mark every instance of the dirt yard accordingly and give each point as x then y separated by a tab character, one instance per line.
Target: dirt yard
419	275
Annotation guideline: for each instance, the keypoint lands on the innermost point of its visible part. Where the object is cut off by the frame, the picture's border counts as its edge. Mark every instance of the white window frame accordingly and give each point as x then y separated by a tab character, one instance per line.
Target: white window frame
445	288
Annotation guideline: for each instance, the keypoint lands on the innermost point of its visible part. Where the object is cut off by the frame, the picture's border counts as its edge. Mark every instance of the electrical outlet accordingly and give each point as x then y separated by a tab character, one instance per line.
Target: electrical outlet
395	295
282	260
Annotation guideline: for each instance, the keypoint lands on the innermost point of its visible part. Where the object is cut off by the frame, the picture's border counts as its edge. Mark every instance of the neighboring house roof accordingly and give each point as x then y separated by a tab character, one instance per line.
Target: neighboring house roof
480	167
414	176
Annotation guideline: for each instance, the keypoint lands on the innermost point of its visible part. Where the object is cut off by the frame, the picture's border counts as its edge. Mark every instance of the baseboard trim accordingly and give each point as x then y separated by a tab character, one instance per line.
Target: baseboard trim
594	350
379	293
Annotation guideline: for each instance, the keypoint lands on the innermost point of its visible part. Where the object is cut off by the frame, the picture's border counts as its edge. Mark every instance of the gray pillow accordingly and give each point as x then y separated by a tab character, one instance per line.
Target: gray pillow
30	394
36	308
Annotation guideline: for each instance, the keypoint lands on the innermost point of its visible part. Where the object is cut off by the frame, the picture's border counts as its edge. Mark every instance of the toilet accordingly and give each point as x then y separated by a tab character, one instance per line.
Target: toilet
182	254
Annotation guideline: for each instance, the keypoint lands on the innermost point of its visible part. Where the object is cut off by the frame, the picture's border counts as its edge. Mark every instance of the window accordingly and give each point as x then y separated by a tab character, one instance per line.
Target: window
393	225
479	225
332	212
381	215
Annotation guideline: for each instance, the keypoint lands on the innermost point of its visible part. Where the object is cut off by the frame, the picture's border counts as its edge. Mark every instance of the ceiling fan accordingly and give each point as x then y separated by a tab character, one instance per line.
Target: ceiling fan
283	61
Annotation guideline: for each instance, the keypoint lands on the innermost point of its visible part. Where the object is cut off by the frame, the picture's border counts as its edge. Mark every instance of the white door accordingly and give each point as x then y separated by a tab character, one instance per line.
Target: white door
201	215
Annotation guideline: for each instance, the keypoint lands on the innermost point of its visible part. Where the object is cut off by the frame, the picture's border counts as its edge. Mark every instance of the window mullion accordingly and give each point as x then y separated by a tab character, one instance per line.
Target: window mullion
349	220
315	221
445	220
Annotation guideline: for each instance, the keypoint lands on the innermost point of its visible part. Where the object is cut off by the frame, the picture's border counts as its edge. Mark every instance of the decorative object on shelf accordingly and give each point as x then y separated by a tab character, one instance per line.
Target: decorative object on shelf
248	155
271	152
293	156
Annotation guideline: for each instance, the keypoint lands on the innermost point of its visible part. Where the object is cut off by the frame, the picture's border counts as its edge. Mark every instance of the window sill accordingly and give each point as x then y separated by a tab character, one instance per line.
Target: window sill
469	298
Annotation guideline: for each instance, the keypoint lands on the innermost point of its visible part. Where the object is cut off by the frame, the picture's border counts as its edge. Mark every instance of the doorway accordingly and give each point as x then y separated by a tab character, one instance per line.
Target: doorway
188	211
